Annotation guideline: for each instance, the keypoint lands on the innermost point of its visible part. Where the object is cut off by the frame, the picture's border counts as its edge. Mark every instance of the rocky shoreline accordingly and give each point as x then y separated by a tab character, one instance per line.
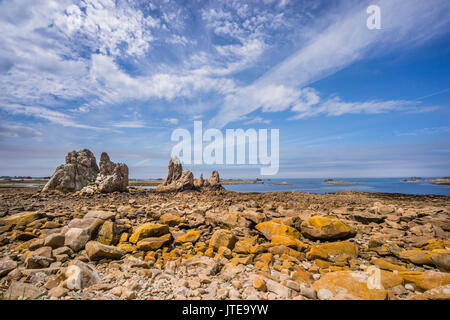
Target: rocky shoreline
216	244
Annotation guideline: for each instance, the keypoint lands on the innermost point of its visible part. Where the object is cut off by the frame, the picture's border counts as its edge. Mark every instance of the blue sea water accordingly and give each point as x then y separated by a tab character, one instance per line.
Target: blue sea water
316	185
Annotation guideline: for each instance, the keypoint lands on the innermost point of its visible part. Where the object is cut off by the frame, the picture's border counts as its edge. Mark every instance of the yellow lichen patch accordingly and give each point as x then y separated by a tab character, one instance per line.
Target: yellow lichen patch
149	230
153	243
259	284
127	247
333	251
171	219
289	242
106	234
390	280
242	259
416	256
271	228
426	280
326	228
301	276
350	283
20	219
223	238
386	265
190	236
245	245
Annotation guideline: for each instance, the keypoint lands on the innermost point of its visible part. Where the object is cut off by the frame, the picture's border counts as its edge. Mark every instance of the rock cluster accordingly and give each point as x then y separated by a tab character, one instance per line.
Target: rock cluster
180	180
81	173
79	170
223	245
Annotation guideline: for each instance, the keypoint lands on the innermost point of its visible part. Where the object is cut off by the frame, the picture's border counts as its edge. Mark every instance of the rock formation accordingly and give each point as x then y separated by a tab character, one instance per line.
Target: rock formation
177	178
80	169
214	179
112	177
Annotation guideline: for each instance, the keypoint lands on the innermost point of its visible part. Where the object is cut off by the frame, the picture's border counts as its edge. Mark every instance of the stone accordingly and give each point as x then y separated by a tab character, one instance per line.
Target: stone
439	293
222	238
190	236
441	259
153	243
20	219
171	219
326	228
99	214
80	275
425	280
80	169
58	292
147	230
91	225
259	284
6	266
201	265
245	245
107	233
76	239
324	294
333	251
270	228
348	282
289	242
97	251
20	290
55	240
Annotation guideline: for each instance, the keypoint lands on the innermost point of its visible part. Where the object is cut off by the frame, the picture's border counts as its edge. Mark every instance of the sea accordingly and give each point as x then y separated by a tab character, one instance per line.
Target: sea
317	185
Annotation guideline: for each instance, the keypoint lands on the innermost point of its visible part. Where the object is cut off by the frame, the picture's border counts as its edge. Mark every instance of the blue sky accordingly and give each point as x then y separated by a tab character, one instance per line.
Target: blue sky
120	76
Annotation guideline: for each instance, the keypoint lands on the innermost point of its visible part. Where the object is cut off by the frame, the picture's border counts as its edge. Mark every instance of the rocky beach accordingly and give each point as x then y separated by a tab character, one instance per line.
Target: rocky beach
86	235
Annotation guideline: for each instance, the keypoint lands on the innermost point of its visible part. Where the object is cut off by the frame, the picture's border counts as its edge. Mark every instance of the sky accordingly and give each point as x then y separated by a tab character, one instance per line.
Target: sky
121	76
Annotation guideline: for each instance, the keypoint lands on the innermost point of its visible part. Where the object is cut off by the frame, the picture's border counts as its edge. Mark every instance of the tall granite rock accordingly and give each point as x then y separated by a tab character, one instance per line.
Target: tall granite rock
80	169
214	179
113	176
177	178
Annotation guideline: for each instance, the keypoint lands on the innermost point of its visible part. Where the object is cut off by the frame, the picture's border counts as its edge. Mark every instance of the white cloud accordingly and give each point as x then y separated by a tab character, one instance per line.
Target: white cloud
344	41
173	121
17	131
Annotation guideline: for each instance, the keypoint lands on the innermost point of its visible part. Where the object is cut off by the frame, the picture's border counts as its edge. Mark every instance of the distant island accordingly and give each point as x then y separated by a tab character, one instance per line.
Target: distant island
331	181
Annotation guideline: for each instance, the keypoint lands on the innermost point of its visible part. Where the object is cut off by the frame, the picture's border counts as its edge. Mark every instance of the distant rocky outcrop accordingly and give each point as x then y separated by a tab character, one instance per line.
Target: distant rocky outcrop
177	178
112	177
80	169
180	180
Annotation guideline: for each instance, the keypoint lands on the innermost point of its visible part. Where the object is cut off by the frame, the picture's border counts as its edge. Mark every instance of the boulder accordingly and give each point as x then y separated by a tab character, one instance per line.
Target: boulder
97	251
20	219
148	230
21	290
190	236
348	285
80	275
76	238
79	170
270	228
222	238
153	243
333	251
326	228
6	266
54	240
